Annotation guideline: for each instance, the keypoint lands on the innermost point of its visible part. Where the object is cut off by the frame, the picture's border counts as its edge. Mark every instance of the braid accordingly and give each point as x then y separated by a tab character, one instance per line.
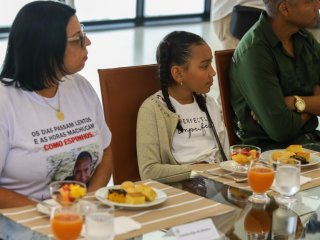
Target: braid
202	105
163	61
200	99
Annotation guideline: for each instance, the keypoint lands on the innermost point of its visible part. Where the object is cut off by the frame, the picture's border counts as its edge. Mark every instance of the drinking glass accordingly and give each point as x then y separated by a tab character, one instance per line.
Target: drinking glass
67	192
287	182
257	222
284	223
66	222
260	178
100	222
243	155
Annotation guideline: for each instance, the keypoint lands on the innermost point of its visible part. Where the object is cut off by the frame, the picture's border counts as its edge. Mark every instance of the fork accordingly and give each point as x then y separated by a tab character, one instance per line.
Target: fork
227	175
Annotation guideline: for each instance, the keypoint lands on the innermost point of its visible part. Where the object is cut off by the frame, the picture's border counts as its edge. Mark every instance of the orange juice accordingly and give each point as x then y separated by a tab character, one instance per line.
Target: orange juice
260	179
66	226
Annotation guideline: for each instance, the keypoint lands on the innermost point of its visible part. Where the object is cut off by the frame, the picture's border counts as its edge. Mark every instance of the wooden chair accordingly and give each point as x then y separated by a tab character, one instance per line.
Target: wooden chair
123	90
223	59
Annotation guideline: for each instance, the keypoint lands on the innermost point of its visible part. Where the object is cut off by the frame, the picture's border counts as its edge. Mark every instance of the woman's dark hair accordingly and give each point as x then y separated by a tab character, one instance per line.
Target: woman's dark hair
175	49
36	46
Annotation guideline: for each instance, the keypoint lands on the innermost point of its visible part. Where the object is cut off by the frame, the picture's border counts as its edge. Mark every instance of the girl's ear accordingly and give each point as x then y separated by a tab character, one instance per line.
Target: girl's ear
176	73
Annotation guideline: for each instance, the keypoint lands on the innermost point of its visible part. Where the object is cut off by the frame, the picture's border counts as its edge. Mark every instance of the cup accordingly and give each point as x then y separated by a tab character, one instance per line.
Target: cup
257	222
243	155
66	222
284	223
260	179
100	222
67	192
287	182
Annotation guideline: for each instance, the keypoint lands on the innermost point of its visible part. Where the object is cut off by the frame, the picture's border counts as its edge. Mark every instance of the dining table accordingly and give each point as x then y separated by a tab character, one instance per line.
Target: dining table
208	192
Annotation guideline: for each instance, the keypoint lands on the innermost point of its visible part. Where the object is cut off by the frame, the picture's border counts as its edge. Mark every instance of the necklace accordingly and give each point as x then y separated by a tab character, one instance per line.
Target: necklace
59	113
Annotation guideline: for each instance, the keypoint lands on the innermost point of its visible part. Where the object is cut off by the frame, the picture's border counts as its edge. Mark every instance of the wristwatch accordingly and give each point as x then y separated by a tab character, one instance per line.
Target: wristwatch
299	104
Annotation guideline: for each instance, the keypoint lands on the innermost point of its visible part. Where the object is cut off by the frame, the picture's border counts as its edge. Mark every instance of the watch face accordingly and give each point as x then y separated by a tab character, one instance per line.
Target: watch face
300	105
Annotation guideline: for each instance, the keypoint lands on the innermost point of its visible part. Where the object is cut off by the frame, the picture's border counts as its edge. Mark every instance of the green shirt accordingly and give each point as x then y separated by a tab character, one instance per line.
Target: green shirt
261	75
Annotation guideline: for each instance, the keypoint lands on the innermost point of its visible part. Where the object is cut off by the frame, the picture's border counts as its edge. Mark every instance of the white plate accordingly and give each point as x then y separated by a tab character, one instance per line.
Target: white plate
232	166
102	195
46	206
314	158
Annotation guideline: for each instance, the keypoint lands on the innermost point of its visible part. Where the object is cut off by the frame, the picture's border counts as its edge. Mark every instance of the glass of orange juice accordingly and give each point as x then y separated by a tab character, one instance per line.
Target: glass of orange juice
260	179
66	222
257	222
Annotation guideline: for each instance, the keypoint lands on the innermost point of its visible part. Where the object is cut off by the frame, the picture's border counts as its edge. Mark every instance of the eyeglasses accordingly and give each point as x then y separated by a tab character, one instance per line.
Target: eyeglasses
81	38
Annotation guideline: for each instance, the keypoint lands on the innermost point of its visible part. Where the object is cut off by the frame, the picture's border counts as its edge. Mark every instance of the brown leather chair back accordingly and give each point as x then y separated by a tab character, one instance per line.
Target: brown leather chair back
223	60
123	90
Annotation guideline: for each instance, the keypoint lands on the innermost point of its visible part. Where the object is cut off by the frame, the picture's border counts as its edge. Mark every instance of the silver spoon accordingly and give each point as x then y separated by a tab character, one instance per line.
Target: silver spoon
227	175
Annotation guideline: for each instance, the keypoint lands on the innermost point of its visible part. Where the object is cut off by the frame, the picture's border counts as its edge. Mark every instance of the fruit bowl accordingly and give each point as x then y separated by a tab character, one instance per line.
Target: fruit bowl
67	192
244	154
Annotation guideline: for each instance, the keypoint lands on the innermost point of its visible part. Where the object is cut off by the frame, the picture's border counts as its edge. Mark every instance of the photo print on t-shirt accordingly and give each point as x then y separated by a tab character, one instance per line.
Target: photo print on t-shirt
77	164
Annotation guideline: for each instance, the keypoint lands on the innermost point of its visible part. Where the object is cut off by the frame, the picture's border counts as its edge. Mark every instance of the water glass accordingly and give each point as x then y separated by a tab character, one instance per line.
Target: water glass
284	223
287	182
100	222
260	179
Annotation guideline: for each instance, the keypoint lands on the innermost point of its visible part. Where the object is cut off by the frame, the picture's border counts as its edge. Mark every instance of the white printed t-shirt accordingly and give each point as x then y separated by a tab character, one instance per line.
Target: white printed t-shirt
36	148
197	142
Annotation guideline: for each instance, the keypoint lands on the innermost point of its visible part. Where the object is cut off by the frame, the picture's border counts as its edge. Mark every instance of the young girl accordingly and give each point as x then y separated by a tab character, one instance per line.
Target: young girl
180	125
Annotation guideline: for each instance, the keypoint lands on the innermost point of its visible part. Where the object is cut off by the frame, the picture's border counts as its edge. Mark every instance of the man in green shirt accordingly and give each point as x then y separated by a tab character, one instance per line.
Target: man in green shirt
275	77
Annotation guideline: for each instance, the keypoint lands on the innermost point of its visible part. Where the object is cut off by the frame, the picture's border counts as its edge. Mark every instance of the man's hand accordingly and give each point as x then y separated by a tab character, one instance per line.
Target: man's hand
254	116
290	102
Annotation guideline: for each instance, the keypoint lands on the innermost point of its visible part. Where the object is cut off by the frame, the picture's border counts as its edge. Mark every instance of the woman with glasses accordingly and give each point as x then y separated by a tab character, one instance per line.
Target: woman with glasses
49	113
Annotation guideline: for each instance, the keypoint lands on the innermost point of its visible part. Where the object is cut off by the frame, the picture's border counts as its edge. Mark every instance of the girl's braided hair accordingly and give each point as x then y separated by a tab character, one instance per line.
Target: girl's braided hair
175	49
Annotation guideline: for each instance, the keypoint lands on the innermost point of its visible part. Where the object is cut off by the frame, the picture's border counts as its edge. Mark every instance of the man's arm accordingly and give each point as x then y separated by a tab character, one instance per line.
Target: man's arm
102	174
257	80
311	102
9	199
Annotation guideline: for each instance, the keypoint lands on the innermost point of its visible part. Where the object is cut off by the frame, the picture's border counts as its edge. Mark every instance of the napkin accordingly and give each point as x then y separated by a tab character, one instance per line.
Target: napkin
303	180
121	225
125	224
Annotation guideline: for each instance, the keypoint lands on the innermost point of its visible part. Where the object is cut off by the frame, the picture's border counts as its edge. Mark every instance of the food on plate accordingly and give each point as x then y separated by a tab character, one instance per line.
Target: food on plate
147	191
131	193
244	154
70	193
295	148
276	155
117	195
135	198
292	151
126	185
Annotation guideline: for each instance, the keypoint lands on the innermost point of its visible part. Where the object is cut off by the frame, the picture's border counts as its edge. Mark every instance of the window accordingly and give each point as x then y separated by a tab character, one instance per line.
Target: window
173	7
9	10
105	9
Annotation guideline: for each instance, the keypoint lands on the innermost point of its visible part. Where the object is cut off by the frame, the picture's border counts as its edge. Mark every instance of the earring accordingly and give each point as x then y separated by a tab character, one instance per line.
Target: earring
181	83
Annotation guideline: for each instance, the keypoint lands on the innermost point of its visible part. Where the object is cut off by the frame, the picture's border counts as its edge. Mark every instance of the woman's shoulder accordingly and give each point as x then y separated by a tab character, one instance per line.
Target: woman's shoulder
77	82
153	100
9	92
76	79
